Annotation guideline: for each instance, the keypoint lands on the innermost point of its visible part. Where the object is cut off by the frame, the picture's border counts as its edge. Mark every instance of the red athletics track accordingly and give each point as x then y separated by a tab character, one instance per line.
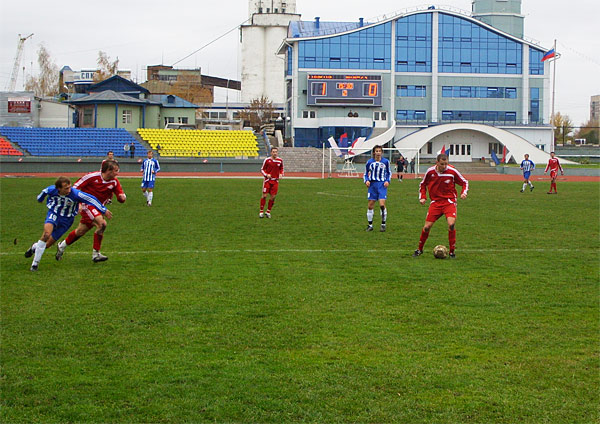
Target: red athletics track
471	177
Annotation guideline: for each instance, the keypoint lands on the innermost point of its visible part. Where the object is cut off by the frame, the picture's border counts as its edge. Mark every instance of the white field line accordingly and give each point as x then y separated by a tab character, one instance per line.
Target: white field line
324	193
223	251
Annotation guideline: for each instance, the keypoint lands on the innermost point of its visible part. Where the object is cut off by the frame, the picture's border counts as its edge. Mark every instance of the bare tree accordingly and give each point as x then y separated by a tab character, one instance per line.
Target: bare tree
106	68
259	112
46	83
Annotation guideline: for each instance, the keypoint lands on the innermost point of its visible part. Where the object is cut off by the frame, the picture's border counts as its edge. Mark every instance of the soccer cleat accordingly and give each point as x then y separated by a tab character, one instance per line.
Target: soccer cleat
261	215
382	229
99	257
33	268
59	252
522	190
452	255
369	228
268	214
417	253
531	189
549	192
29	253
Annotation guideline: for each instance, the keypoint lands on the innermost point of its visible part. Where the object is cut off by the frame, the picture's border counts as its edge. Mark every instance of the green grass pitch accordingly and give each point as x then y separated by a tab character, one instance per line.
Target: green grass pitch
204	312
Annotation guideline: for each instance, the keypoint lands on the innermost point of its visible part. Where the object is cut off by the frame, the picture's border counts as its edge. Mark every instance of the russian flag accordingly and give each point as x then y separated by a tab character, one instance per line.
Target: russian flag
549	55
444	150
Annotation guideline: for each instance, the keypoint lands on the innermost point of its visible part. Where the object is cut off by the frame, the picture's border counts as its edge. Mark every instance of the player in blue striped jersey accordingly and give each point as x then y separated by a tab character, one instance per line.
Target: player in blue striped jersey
62	202
377	178
149	169
527	166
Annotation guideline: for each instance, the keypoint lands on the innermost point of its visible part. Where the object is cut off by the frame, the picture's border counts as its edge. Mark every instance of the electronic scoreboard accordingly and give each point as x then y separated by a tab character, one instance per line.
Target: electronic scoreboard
343	90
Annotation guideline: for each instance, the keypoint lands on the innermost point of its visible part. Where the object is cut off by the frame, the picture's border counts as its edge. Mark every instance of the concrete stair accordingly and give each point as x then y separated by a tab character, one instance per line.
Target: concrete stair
302	159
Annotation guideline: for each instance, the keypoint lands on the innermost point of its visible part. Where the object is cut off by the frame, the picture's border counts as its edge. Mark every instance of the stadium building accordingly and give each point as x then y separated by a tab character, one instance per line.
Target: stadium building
422	79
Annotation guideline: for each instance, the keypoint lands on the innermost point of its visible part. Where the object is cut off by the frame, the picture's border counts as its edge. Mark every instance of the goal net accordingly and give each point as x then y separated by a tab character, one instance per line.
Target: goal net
335	165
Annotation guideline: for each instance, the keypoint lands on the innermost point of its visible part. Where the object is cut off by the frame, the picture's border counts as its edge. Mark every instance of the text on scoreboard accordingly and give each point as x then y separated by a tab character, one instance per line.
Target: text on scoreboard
343	90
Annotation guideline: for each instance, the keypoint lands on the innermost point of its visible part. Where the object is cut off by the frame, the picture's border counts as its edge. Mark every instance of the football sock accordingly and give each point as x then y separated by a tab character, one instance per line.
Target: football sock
554	185
39	251
452	239
145	193
271	201
263	201
370	213
530	184
150	196
71	238
98	241
423	239
524	185
33	246
383	214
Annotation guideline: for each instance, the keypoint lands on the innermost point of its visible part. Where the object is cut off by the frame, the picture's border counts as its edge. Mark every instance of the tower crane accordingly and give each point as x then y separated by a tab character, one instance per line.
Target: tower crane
15	71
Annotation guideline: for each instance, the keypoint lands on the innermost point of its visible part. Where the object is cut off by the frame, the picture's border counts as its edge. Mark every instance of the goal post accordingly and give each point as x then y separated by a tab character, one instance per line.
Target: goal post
352	167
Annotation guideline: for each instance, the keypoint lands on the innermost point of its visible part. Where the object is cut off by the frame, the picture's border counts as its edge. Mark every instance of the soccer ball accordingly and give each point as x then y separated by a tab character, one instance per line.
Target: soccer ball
440	251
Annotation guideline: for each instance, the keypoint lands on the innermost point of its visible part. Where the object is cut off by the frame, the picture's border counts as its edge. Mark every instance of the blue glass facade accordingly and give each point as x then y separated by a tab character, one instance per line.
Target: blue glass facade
465	47
534	107
369	48
411	116
492	116
315	137
411	91
290	56
413	43
479	92
536	66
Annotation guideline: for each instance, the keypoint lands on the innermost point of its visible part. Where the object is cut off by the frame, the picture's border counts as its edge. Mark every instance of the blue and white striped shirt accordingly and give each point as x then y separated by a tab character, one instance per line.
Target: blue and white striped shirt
527	165
150	167
378	171
67	206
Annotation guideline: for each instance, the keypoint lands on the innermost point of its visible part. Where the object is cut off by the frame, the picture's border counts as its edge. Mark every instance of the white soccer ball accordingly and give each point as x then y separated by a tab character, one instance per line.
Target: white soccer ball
440	251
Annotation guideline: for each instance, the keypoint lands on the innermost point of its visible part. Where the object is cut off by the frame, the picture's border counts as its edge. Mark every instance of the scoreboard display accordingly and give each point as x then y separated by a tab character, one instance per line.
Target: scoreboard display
344	90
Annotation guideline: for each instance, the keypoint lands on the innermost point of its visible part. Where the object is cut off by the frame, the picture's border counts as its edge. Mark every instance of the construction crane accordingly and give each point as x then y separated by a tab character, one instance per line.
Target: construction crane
15	72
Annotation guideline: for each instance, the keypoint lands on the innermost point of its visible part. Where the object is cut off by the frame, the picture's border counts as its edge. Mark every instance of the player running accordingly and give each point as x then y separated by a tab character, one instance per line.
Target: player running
149	169
440	180
553	166
103	185
527	166
377	179
62	202
272	170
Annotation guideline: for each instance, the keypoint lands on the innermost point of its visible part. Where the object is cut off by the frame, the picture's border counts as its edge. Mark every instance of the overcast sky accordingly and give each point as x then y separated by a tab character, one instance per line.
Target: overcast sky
150	32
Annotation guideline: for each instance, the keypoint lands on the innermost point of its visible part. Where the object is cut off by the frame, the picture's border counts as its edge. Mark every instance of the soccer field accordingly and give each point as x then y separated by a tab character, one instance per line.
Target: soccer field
204	312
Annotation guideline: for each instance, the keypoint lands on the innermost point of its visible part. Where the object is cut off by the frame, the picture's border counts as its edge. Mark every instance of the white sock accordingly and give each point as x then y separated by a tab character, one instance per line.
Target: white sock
150	196
33	246
370	214
383	215
145	193
524	185
62	245
39	251
530	184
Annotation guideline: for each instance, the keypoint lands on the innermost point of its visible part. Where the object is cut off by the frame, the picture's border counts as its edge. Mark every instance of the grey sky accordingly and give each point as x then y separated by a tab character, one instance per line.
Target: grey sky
142	33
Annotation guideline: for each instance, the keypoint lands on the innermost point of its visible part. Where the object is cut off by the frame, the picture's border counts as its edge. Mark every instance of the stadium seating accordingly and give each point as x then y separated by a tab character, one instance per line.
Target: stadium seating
71	141
6	149
201	143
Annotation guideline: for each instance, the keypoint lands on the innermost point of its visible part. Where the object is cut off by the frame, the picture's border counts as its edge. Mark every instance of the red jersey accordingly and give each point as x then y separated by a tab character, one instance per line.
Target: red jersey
553	165
442	186
94	184
274	167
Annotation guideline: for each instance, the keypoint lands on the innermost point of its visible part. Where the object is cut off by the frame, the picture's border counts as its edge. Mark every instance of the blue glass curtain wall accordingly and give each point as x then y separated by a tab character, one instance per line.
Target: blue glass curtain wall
411	91
465	47
369	48
479	92
534	107
413	43
315	137
536	66
290	56
479	116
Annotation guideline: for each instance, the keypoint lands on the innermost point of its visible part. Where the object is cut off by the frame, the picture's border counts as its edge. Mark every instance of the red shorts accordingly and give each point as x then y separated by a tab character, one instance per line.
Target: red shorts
553	174
88	214
437	209
271	187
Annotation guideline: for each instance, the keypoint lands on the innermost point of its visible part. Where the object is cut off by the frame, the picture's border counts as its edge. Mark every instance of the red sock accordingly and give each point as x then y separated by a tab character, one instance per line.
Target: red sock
263	200
554	185
452	239
423	239
71	238
271	201
97	241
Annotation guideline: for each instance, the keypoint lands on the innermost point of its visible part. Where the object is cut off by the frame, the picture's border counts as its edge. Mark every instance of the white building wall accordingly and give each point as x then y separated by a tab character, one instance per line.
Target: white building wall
53	114
262	70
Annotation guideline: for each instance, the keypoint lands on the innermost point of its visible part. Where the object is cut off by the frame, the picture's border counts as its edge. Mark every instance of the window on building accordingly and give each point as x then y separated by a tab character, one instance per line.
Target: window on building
169	120
309	114
510	92
384	116
88	116
375	116
126	116
182	119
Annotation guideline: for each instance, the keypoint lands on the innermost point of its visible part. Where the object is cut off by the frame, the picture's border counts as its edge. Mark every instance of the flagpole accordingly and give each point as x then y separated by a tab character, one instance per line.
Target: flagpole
553	95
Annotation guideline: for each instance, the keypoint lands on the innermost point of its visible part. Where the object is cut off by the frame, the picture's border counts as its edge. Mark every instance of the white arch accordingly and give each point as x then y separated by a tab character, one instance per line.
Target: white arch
516	146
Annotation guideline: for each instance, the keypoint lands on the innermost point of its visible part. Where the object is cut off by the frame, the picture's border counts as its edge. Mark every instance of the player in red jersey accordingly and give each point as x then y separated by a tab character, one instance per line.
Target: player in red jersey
440	180
272	169
103	185
553	166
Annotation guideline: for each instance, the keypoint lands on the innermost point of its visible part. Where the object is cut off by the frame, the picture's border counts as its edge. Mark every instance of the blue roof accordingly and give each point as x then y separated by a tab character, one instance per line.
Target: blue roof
299	29
176	101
